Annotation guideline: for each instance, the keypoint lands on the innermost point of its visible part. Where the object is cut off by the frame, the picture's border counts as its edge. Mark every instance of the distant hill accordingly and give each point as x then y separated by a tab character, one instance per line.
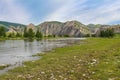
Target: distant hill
9	24
94	27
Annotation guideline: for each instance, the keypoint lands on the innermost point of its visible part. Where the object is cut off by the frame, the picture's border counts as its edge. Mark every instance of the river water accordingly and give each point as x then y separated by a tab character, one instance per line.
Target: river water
14	52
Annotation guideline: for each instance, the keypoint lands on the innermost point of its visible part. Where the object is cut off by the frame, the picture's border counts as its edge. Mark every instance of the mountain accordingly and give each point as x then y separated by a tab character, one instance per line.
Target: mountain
9	24
31	26
50	28
69	28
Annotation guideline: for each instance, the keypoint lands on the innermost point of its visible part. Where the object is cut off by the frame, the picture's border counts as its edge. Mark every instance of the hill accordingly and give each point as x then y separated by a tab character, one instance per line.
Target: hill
9	24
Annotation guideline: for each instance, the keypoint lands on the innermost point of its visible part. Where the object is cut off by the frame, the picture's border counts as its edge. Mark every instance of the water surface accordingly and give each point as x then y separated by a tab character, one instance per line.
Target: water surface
14	52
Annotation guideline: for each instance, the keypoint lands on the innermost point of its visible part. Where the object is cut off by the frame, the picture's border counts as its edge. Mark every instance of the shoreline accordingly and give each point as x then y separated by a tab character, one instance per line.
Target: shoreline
85	61
12	66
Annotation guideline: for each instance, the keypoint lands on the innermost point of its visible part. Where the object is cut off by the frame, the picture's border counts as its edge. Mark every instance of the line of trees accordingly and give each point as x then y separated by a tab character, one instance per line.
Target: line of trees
31	34
14	35
107	33
28	33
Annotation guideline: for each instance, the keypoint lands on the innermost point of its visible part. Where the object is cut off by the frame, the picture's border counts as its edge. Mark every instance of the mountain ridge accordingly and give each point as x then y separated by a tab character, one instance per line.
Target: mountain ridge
9	24
69	28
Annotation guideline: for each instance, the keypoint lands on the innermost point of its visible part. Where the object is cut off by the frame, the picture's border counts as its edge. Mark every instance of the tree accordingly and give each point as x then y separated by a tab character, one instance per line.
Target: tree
9	35
25	32
18	34
38	34
30	33
2	31
107	33
111	32
102	33
13	35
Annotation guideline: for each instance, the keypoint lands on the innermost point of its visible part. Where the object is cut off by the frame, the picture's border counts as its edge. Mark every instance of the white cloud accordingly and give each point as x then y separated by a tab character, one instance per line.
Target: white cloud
65	11
105	13
11	11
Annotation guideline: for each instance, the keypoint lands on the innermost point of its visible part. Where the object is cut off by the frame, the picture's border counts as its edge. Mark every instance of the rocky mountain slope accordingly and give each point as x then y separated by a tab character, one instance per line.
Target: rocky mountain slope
69	28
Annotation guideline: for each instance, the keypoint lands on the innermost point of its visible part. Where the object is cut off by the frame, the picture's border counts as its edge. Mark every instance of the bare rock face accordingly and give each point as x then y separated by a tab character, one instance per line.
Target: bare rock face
51	28
15	30
74	28
69	28
12	30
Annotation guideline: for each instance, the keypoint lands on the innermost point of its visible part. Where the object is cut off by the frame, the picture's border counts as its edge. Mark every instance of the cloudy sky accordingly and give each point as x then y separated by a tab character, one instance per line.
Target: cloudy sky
37	11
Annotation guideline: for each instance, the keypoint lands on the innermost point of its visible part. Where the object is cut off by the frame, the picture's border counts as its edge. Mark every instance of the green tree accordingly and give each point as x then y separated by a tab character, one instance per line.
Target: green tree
107	33
9	35
25	32
2	31
30	33
38	34
18	34
13	35
111	32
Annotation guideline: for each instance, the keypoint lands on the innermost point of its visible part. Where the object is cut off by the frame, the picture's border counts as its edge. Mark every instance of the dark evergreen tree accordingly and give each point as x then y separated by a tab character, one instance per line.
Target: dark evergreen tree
107	33
2	31
25	32
111	32
30	33
38	34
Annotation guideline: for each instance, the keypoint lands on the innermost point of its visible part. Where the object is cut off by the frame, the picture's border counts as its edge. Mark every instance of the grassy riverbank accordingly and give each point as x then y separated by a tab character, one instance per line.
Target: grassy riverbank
97	59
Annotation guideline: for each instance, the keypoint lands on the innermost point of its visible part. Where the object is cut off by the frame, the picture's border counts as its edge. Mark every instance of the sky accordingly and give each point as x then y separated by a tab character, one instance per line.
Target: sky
38	11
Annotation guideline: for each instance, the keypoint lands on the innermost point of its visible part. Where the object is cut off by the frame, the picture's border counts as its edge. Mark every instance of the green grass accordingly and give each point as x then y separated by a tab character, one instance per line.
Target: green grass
97	59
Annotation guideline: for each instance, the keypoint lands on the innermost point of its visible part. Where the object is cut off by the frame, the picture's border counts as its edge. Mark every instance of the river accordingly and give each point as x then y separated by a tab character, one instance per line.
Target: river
15	52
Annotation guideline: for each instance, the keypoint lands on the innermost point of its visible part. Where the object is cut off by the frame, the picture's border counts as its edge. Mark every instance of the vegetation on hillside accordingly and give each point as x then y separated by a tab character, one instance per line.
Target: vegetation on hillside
8	24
